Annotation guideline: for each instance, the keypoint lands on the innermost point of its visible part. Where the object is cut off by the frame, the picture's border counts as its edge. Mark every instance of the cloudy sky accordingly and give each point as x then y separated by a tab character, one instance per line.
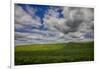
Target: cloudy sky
43	24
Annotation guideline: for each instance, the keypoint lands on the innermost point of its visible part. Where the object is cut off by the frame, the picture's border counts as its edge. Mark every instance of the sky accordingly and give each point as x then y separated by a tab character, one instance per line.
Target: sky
48	24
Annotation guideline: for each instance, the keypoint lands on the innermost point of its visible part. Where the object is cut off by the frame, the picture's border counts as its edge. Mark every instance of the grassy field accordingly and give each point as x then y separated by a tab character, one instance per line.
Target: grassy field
54	53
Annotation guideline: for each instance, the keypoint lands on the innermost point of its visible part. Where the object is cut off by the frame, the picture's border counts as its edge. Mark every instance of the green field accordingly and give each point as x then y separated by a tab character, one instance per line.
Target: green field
54	53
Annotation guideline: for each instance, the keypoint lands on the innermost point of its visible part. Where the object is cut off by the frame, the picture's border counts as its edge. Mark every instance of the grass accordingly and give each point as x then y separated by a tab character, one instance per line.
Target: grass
54	53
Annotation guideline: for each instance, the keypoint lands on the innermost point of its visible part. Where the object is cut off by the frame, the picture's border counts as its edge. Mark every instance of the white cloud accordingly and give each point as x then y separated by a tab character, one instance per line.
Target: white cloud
76	23
22	18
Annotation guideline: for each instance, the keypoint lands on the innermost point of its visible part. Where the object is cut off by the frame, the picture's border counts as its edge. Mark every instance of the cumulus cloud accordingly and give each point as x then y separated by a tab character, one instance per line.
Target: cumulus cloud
63	24
23	18
76	21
